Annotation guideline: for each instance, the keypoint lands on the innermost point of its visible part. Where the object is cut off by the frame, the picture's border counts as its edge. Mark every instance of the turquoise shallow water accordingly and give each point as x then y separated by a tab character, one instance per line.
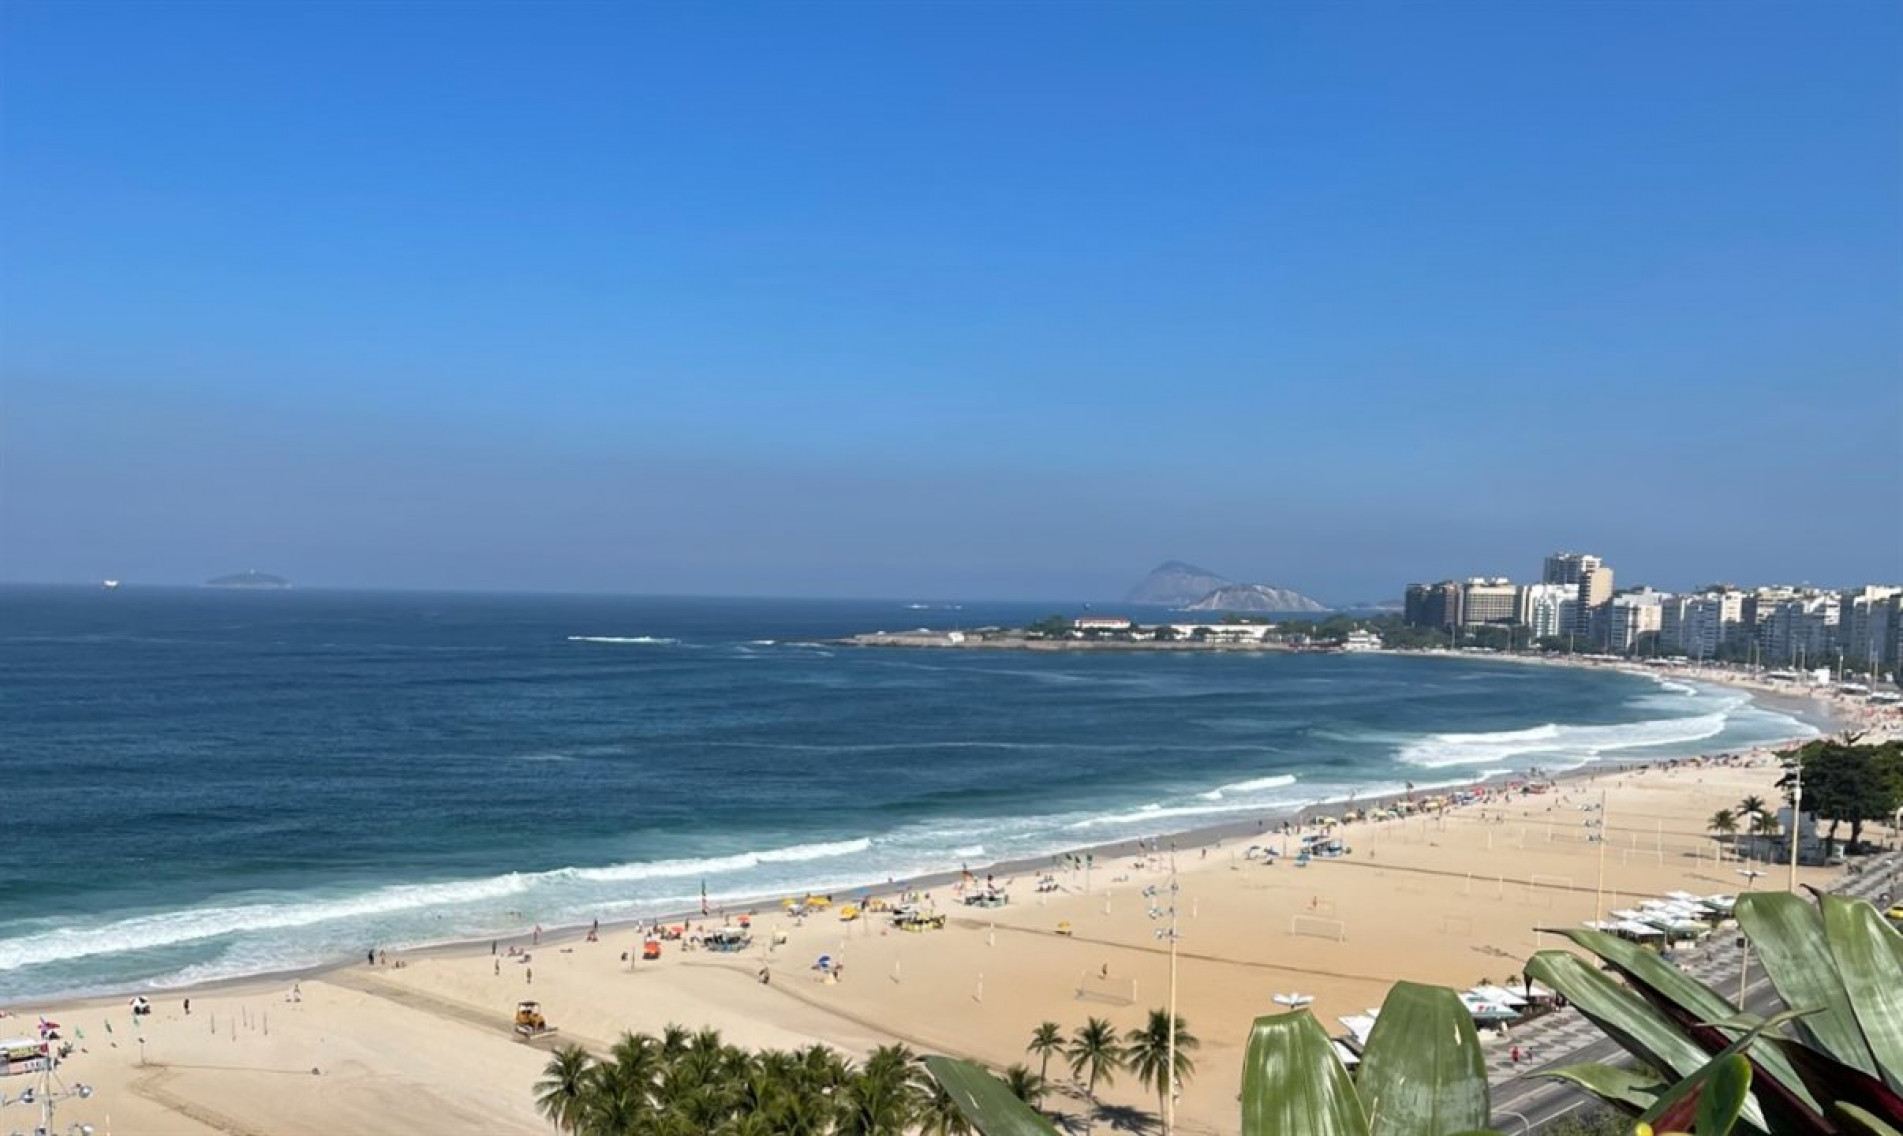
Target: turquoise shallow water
213	784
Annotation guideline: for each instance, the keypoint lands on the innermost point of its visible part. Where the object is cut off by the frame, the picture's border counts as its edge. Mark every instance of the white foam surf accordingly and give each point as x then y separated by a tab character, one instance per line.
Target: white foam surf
377	906
626	640
1279	781
1570	742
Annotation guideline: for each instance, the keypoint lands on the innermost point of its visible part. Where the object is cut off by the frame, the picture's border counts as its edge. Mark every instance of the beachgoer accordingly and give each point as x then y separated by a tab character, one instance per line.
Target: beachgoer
188	1007
370	957
498	963
1516	1055
537	940
383	958
1105	972
528	976
492	946
595	927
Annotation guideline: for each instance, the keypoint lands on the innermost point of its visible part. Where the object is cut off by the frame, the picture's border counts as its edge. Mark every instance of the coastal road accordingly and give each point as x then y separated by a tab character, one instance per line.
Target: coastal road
1525	1103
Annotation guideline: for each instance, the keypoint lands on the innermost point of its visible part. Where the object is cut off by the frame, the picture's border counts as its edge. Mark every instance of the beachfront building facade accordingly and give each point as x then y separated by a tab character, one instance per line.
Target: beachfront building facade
1545	608
1868	626
1101	623
1712	621
1485	600
1591	580
1633	620
1795	626
1433	606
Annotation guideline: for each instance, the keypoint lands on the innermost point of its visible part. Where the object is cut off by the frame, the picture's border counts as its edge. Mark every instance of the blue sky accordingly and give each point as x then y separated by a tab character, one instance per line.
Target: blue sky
949	300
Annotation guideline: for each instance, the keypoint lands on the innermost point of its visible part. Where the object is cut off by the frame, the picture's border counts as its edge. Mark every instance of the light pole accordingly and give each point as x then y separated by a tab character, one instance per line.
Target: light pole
1169	1047
1744	949
1797	818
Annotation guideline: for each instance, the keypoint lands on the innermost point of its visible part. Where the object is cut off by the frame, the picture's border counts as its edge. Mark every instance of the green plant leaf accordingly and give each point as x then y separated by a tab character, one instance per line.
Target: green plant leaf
1422	1073
985	1101
1635	1089
1676	1107
1696	1009
1869	955
1853	1121
1294	1085
1628	1019
1723	1098
1788	935
1831	1080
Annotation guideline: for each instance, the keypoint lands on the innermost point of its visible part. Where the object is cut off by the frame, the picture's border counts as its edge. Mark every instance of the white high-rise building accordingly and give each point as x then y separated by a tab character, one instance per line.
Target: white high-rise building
1798	629
1710	621
1592	579
1543	609
1630	616
1866	624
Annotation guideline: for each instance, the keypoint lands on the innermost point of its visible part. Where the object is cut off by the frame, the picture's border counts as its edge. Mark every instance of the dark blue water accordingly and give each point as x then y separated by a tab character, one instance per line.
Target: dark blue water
208	783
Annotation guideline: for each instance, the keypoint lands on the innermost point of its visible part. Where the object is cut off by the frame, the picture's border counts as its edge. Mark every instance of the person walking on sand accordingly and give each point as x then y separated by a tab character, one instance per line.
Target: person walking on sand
528	976
498	963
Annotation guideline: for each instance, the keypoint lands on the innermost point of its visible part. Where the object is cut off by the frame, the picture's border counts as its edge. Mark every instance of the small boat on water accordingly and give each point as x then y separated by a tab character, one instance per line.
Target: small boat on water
109	585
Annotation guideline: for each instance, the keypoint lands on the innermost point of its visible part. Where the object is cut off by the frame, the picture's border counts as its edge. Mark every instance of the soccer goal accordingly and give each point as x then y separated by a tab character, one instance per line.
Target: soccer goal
1115	990
1318	927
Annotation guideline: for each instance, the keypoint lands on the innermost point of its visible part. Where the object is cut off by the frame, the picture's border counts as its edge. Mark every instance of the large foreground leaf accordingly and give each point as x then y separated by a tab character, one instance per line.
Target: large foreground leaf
985	1101
1423	1073
1625	1017
1833	1081
1635	1089
1692	1006
1294	1085
1854	1121
1788	935
1869	955
1719	1092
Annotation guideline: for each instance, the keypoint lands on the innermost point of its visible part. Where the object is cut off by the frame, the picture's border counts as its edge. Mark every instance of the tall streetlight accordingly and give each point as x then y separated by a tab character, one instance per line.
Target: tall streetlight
1797	817
1170	933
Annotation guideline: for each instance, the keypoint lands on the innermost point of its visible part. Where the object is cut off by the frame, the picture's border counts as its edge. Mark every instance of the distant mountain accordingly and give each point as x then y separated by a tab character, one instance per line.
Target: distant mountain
1255	598
1175	584
251	579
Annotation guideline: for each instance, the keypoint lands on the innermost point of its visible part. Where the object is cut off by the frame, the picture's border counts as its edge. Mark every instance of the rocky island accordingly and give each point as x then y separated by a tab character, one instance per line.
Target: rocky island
1189	588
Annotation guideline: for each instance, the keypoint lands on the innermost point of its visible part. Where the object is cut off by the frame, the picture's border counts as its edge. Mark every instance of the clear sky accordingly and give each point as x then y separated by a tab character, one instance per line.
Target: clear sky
976	300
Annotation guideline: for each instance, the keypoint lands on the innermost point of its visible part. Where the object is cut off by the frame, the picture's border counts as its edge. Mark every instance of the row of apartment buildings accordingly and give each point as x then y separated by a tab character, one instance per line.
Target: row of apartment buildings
1575	600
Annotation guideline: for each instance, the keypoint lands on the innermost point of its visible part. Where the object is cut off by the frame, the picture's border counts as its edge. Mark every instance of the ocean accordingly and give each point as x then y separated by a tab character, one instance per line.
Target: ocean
204	784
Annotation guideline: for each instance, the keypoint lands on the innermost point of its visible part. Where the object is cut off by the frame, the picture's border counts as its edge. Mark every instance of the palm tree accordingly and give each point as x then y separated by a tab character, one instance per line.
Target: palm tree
1025	1085
1148	1054
1046	1039
1751	804
1095	1054
939	1115
885	1096
1723	822
674	1040
1764	824
566	1082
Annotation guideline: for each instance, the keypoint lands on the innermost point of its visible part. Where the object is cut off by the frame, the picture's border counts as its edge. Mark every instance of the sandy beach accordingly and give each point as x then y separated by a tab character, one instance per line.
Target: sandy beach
425	1047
